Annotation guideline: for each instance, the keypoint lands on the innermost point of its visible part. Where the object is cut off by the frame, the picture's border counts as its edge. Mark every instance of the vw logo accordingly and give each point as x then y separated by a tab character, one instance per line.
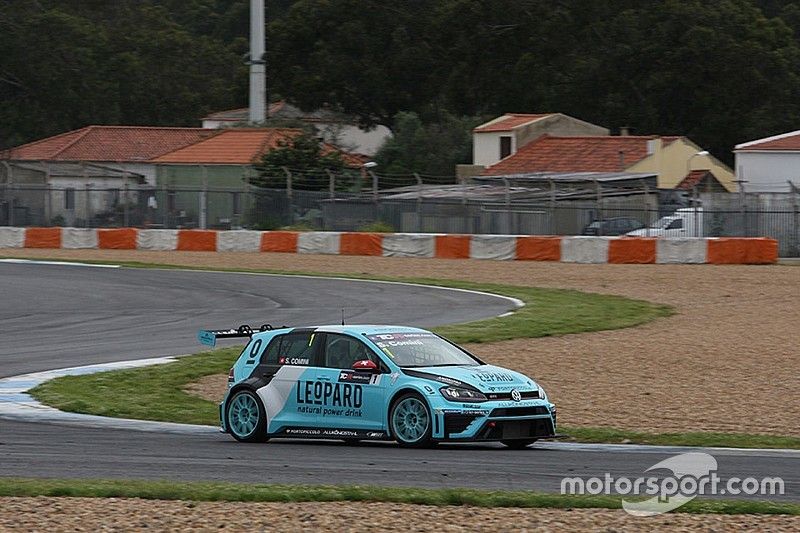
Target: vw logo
515	395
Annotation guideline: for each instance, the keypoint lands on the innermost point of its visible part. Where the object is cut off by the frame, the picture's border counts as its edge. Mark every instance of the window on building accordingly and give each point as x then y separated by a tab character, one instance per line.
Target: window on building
237	203
69	198
505	146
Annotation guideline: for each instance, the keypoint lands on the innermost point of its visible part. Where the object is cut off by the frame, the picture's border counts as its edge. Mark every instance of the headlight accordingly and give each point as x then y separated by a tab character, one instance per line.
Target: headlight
542	393
455	394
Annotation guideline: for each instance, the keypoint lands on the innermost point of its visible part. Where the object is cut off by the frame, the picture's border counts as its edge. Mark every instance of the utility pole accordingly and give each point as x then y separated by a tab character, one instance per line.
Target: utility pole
258	64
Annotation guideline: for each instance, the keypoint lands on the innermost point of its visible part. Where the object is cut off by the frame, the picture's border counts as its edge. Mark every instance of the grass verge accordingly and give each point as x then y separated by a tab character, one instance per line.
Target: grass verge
235	492
155	393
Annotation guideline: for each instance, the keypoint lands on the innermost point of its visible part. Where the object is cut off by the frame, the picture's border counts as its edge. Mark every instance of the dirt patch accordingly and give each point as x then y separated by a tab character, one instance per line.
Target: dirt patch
117	514
211	388
728	360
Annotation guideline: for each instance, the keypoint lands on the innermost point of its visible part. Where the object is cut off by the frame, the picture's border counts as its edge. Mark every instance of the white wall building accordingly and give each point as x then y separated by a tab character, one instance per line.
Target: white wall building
334	128
504	135
769	164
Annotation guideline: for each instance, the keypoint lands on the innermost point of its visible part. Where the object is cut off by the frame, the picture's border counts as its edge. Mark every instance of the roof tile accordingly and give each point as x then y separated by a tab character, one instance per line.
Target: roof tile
109	143
574	154
241	147
787	141
510	121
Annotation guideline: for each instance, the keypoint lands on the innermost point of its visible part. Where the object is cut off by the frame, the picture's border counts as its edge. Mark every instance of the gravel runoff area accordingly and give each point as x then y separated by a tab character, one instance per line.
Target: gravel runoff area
117	514
727	361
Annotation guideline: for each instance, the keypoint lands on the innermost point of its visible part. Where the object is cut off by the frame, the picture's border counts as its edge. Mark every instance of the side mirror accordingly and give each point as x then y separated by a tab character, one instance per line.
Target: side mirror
365	365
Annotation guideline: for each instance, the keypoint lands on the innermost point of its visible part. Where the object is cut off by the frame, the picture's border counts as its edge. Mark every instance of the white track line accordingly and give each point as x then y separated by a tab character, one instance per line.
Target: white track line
16	404
67	263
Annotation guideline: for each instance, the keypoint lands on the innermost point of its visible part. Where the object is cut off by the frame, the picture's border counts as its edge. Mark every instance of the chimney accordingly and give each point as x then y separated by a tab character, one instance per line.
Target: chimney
624	131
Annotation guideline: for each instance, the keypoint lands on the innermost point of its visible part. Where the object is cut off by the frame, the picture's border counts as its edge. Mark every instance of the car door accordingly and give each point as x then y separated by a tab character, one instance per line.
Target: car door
349	399
288	363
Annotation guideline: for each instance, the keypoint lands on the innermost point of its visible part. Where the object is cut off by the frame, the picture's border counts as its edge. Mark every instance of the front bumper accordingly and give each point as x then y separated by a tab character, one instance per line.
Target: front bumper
494	421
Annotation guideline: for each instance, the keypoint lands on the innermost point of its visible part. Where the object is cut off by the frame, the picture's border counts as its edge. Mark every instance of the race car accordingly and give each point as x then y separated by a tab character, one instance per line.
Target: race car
373	382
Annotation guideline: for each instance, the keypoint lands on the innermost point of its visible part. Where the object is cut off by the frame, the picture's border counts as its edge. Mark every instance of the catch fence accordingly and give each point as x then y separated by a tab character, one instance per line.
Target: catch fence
408	204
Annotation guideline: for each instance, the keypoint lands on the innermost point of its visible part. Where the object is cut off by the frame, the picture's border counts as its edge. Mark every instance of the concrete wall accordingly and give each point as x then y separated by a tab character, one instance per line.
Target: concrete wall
768	171
615	250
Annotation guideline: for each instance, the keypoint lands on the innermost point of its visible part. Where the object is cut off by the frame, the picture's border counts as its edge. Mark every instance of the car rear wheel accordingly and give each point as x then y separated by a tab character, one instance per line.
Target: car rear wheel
410	421
247	419
518	444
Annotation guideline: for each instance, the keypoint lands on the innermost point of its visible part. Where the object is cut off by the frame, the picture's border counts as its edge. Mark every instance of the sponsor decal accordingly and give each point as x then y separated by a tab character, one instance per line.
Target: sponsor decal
359	377
429	389
329	399
303	431
303	361
449	381
490	377
339	433
473	412
395	376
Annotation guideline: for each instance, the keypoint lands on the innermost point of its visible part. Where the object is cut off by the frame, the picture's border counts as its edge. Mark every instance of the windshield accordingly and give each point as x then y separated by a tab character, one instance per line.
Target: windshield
663	222
416	349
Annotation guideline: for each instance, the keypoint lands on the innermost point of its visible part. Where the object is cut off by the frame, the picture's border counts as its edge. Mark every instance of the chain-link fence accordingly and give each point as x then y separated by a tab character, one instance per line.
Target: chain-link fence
413	204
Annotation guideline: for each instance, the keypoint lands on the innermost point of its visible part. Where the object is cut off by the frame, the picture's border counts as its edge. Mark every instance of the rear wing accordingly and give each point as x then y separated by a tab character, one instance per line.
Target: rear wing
209	336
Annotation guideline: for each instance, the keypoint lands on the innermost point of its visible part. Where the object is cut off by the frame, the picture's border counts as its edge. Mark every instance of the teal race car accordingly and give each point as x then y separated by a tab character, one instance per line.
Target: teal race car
375	383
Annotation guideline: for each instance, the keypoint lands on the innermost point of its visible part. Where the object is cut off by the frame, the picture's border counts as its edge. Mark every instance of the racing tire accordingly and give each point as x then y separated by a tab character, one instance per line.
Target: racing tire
410	421
518	444
246	417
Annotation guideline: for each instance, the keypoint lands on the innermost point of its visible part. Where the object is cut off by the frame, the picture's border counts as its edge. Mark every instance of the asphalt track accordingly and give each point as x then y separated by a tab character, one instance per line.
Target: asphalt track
58	316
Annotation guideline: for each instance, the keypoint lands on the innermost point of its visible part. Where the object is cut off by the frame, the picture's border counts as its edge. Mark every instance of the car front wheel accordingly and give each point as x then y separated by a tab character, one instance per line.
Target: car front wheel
247	418
410	420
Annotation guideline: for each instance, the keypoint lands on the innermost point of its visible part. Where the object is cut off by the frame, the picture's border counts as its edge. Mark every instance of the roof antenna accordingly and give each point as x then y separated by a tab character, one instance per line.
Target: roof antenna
343	316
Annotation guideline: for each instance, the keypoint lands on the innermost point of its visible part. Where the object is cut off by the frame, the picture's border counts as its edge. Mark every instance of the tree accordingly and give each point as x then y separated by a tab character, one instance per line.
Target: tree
433	148
306	157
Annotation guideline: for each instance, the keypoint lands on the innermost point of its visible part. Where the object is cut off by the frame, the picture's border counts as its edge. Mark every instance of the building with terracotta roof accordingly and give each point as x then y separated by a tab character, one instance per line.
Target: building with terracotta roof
335	128
504	135
123	148
671	158
769	164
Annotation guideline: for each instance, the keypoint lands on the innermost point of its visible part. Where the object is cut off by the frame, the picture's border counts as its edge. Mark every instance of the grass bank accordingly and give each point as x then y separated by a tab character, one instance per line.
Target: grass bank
155	393
234	492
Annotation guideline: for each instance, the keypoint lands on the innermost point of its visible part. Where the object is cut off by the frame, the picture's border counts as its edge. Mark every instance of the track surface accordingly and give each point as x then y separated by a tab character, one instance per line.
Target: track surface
57	316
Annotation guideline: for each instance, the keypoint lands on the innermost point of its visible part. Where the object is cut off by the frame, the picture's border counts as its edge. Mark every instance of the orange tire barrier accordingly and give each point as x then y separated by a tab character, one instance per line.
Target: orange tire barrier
632	250
452	247
539	248
196	240
279	241
737	251
361	244
117	239
43	238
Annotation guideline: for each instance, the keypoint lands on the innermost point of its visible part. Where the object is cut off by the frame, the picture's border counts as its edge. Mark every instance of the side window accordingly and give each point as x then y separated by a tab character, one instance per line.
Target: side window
291	349
341	351
676	224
